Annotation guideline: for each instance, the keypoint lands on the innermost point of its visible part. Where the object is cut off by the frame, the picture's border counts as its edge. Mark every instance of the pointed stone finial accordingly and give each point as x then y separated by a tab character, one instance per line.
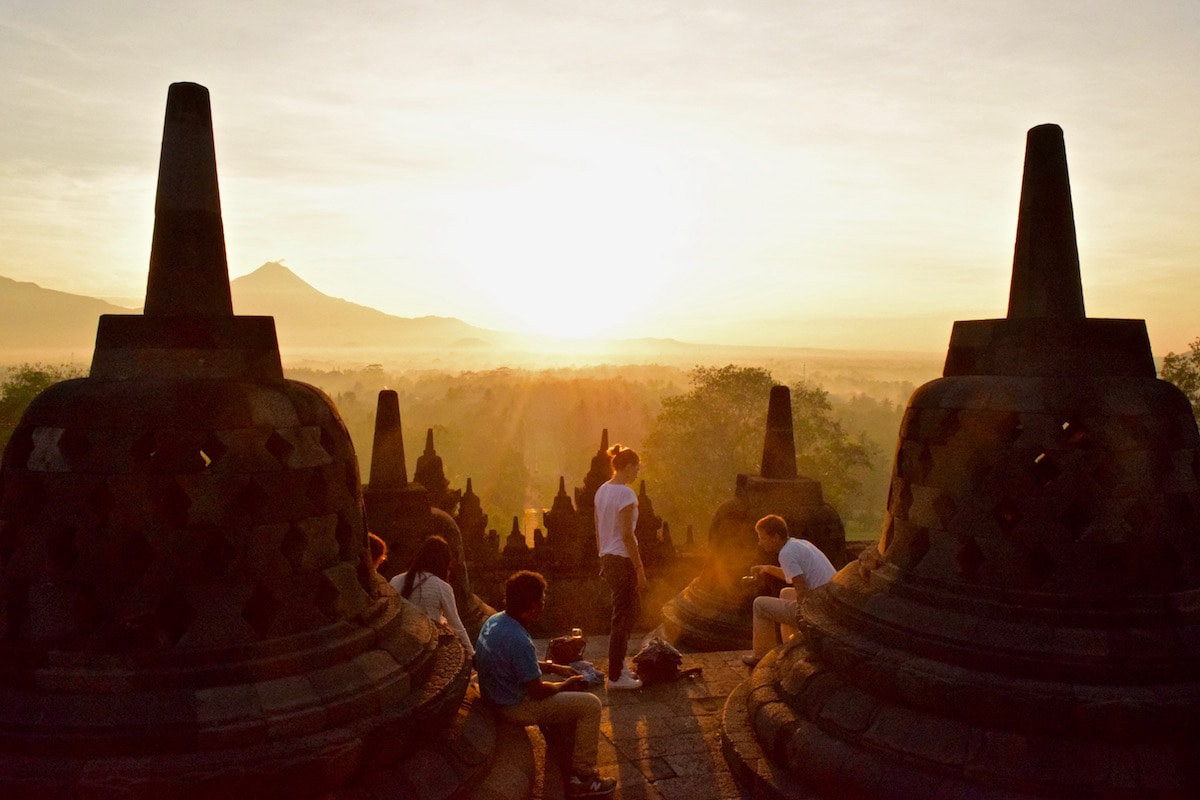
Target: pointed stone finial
1045	278
388	470
189	274
779	445
429	451
604	441
562	485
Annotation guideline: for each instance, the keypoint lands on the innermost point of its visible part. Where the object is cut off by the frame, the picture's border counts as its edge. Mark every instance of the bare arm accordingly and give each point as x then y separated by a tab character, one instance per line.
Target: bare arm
538	689
625	524
758	570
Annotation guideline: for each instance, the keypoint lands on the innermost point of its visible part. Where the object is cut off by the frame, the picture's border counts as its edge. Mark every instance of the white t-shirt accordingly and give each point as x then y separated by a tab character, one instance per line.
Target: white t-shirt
802	557
611	498
435	597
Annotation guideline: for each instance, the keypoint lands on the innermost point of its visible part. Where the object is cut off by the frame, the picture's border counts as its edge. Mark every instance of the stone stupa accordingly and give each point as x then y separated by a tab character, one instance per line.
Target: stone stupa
1029	624
715	611
187	606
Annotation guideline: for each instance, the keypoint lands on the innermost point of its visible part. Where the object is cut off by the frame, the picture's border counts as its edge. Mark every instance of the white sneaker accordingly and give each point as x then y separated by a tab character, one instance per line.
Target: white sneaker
626	681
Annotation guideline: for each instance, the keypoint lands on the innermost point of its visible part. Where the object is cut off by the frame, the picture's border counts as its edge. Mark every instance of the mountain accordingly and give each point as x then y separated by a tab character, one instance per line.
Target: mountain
38	324
306	318
33	320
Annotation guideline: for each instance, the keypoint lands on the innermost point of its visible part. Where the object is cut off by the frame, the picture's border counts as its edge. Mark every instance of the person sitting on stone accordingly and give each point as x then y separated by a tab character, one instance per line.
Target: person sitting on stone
802	565
425	585
510	679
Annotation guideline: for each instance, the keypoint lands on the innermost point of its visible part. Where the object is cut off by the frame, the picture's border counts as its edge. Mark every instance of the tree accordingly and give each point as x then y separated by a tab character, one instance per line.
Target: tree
704	438
1183	370
24	383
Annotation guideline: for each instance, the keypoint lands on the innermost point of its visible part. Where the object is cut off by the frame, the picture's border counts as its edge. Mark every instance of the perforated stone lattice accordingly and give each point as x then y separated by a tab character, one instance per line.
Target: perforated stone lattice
1042	499
247	516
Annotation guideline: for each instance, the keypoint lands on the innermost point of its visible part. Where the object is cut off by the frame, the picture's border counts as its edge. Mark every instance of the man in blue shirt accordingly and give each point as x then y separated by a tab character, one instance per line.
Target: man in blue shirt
510	679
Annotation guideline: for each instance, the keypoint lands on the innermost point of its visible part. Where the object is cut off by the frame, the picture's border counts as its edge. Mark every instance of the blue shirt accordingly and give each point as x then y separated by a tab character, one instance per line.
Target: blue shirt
505	659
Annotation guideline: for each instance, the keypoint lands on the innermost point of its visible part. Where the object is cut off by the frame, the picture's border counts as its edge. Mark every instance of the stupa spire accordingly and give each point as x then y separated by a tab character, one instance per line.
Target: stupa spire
388	470
189	274
779	444
1045	276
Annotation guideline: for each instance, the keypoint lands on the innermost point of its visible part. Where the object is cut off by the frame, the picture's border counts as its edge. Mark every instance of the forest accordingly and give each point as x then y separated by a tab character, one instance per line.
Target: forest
515	432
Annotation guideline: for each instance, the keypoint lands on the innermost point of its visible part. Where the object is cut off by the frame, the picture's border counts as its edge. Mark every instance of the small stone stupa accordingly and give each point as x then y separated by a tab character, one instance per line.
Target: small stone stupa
1029	624
400	512
715	611
187	606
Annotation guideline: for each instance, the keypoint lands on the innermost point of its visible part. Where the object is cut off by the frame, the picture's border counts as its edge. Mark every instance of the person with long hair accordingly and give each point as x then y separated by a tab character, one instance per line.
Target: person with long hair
616	514
425	586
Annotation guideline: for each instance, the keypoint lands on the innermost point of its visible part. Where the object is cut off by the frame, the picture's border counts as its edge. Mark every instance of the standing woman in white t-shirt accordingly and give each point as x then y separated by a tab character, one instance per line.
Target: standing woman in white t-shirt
620	559
425	586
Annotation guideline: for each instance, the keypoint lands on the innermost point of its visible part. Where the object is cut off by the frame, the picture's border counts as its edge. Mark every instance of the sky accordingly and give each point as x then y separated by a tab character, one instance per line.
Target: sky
772	172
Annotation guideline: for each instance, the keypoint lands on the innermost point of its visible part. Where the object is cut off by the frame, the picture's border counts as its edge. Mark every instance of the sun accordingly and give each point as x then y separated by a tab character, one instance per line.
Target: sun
577	247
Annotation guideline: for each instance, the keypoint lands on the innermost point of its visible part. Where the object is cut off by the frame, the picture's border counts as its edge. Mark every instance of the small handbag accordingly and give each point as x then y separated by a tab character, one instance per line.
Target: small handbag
565	649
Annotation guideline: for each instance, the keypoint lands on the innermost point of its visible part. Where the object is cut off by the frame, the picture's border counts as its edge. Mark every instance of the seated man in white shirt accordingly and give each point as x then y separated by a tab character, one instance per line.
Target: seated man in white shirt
801	564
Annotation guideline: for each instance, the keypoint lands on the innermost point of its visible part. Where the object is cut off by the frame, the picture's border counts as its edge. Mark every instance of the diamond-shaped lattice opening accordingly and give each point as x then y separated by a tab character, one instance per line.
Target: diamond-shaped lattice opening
260	610
1135	427
212	450
969	558
20	448
217	554
172	504
24	498
944	507
1107	472
1112	558
142	449
352	485
1045	469
948	425
1073	433
924	464
329	442
1011	427
279	447
9	537
1007	514
249	500
293	547
318	489
174	616
102	501
1041	565
73	444
1077	517
137	554
910	548
904	499
327	598
1141	517
345	539
60	547
978	468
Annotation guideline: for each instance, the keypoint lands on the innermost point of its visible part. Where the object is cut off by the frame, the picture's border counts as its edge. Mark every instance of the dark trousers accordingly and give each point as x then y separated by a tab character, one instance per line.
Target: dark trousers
618	571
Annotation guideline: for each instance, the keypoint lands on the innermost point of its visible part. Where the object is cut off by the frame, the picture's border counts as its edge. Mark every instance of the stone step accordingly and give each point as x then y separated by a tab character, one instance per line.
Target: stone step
759	778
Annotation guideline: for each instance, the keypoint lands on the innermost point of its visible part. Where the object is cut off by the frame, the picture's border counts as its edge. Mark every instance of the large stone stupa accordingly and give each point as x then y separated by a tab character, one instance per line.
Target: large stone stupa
1029	624
187	605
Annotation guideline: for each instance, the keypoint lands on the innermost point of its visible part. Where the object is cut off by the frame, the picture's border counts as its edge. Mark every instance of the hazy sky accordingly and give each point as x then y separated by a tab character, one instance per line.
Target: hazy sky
786	172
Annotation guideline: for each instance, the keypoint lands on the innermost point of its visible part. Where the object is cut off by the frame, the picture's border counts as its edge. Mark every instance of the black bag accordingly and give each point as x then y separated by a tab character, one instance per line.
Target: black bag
659	662
565	649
